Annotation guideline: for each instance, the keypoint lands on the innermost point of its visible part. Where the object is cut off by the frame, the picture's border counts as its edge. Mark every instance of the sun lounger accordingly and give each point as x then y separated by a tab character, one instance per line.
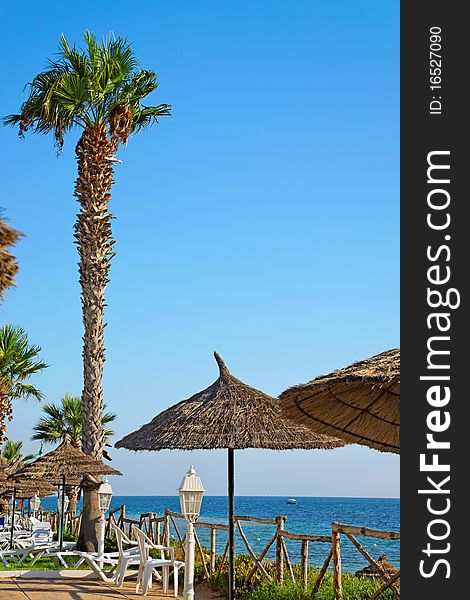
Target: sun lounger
94	560
18	555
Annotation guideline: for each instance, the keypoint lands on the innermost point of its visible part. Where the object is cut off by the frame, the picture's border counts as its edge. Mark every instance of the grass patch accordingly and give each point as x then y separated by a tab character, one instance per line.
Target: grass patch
43	564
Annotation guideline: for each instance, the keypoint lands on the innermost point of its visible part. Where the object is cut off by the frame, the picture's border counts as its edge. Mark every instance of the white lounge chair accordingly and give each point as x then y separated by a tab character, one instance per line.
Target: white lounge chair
95	562
18	555
127	557
148	565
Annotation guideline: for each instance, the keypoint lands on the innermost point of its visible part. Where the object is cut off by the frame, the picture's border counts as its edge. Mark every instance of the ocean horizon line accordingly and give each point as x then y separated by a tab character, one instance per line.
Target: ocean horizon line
260	496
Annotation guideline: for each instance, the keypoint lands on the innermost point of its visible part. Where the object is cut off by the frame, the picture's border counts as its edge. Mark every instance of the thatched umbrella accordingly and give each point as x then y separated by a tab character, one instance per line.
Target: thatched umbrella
64	463
228	414
8	263
21	489
359	404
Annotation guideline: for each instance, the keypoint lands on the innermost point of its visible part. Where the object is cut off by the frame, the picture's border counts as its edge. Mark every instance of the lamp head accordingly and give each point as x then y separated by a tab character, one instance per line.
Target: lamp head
191	492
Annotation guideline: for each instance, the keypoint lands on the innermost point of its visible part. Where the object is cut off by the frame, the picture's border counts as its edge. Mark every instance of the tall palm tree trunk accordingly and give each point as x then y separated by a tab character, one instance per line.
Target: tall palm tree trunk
5	411
94	152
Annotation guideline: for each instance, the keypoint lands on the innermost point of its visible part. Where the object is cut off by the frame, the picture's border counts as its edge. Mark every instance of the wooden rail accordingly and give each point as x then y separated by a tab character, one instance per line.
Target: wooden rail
282	535
279	536
350	531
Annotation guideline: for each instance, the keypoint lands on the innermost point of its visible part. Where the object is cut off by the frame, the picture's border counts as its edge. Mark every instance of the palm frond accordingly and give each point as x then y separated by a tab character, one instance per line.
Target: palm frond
150	114
25	391
19	360
89	86
64	421
11	450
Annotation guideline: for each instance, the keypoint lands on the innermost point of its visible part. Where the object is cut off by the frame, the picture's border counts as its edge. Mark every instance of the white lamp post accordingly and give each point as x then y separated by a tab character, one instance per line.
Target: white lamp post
105	493
191	492
34	504
62	506
65	503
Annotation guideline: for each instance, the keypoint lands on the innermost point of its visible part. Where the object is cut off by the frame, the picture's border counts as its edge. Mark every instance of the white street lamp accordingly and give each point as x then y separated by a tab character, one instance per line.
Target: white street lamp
105	493
62	506
34	504
191	492
62	502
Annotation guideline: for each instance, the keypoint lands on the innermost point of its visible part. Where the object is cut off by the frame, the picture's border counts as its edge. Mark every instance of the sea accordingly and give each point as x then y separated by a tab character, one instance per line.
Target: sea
310	515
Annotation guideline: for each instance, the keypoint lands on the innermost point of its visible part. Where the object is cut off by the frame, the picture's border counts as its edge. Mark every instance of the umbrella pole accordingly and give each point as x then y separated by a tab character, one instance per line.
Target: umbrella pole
12	518
62	515
231	525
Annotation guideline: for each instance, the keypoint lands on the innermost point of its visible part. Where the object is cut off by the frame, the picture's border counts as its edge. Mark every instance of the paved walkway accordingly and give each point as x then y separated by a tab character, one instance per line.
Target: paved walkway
31	588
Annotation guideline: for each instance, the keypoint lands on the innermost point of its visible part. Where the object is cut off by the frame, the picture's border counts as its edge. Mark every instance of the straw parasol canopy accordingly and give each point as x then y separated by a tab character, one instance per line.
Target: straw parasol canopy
228	414
360	403
26	488
66	462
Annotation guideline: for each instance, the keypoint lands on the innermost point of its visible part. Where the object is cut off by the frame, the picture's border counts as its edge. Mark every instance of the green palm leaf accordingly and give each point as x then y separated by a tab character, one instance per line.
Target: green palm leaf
19	361
85	87
64	422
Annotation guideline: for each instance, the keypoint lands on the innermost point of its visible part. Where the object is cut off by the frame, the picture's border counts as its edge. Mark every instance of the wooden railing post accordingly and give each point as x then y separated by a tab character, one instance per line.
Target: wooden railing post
212	551
321	575
337	580
304	564
279	551
166	529
158	537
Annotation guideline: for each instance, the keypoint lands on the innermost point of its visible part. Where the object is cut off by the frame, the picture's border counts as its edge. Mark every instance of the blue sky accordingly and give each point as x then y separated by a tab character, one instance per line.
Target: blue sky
260	220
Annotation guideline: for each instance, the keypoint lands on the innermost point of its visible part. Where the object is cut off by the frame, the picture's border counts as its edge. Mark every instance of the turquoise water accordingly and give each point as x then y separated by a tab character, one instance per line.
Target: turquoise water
310	516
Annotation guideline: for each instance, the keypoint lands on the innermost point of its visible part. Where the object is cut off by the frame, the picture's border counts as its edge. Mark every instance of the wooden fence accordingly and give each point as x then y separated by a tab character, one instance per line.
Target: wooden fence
72	523
162	529
351	531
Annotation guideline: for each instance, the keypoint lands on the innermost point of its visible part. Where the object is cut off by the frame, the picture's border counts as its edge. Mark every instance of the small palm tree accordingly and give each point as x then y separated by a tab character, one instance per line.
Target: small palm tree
63	422
19	361
11	453
100	89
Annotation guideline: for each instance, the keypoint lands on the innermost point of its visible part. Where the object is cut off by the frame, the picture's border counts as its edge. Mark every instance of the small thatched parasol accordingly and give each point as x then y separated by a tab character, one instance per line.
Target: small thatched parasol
64	463
21	489
8	263
228	414
26	488
360	403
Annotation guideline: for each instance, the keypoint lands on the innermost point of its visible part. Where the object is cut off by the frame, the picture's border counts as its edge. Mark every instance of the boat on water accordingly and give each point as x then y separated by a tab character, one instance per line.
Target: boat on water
291	501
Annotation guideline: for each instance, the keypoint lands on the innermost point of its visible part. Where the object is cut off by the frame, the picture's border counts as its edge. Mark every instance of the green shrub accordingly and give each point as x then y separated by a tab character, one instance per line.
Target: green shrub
259	588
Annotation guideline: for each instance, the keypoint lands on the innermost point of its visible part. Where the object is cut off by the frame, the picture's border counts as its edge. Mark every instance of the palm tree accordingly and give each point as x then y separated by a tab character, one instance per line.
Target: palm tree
18	362
63	422
11	453
99	89
8	263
